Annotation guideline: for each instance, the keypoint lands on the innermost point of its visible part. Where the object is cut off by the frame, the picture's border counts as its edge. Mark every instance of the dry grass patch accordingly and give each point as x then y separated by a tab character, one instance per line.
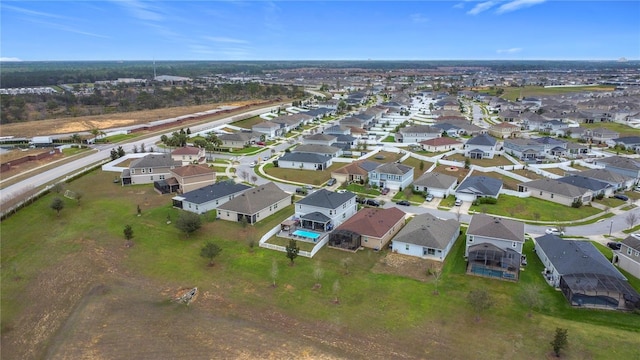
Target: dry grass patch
407	266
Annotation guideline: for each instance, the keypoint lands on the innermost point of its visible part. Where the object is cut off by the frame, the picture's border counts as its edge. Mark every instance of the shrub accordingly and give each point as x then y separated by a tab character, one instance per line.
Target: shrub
576	203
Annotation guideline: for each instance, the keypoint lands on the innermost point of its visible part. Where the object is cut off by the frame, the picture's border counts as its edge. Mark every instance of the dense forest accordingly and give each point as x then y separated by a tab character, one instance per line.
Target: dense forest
43	73
132	97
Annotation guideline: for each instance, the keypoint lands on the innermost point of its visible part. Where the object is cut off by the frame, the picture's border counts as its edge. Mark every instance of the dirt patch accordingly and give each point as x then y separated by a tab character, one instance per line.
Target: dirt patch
403	265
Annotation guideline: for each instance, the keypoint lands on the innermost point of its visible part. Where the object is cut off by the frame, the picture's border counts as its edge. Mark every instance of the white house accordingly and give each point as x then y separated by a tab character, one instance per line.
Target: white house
427	237
324	210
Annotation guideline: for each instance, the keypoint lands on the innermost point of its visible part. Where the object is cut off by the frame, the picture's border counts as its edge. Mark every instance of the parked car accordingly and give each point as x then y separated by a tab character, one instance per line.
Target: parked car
331	182
429	197
554	231
308	187
253	163
621	197
301	191
372	202
404	203
458	202
260	143
361	200
614	245
385	191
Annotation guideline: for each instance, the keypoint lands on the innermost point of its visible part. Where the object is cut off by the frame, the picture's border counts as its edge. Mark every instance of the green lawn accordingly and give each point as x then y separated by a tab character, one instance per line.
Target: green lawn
74	150
507	182
512	93
118	138
361	189
610	202
417	164
371	303
389	139
527	208
311	177
623	129
496	161
248	122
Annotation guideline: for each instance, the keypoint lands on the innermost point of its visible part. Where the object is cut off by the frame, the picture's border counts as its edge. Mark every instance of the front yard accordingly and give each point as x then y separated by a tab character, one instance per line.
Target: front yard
534	209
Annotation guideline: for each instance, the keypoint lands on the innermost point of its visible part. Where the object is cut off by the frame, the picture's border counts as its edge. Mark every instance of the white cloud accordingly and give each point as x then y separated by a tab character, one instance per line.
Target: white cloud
419	18
30	12
222	39
458	6
483	6
517	5
2	58
509	51
67	28
142	10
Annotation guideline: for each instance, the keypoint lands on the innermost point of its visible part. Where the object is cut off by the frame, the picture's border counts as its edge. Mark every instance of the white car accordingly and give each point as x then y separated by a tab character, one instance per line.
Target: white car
253	163
554	231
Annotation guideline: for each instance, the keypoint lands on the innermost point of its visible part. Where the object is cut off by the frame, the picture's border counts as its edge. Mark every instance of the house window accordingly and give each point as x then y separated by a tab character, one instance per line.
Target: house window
151	178
330	212
406	247
344	216
189	206
150	170
161	177
637	253
470	238
196	207
552	196
216	202
142	170
133	171
628	251
514	244
540	193
431	251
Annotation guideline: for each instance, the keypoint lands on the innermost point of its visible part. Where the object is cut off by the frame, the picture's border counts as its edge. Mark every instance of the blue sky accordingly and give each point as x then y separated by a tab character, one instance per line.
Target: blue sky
315	30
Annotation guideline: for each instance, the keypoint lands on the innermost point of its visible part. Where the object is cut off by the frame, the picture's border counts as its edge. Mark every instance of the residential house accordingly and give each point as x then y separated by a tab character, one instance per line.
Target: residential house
601	135
370	227
394	176
357	171
441	144
331	151
556	191
304	161
617	181
269	129
524	149
148	169
319	139
417	133
448	129
482	146
474	187
553	146
622	165
427	237
352	122
209	197
583	274
494	247
238	140
189	155
504	130
597	187
628	257
191	177
324	210
631	143
577	150
435	183
255	204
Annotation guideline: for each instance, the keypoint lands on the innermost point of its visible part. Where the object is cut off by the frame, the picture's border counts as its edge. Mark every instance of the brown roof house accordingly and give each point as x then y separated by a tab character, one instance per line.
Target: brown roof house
441	144
189	155
427	237
357	171
494	247
255	204
191	177
370	227
504	130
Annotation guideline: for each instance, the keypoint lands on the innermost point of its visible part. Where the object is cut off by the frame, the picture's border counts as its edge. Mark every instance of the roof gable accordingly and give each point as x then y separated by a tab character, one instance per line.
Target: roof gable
496	227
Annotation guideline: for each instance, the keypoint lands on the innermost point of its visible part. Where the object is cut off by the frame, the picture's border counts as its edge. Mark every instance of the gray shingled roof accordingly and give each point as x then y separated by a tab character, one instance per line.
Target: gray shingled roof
605	175
153	161
315	149
483	140
419	129
255	199
321	137
428	230
305	157
584	182
480	185
555	186
621	162
576	257
213	191
496	227
393	168
632	242
435	180
327	199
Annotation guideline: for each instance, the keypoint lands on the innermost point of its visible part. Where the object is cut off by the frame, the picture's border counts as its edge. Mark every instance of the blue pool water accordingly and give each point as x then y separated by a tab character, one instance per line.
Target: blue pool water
307	234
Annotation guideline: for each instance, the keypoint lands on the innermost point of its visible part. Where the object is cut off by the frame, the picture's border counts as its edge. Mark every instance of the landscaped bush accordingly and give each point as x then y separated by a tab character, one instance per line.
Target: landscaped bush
485	200
576	203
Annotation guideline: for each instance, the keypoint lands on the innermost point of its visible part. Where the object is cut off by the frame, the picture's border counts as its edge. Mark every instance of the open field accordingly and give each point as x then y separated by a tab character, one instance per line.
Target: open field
512	93
312	177
71	289
107	121
534	209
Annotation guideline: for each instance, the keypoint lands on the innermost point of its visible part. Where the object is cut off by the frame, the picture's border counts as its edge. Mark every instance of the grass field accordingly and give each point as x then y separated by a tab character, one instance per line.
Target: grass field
527	208
512	93
623	129
378	314
311	177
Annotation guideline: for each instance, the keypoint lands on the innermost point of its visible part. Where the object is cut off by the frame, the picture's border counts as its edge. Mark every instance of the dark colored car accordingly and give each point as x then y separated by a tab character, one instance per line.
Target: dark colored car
372	202
404	203
621	197
385	191
361	200
614	245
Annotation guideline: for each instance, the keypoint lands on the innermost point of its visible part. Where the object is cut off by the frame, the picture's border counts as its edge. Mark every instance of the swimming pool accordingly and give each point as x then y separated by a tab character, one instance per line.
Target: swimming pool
306	234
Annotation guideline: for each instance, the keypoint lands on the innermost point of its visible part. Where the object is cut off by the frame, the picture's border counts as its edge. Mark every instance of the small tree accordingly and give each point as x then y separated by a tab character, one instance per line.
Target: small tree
436	272
336	291
121	151
467	163
631	219
78	196
292	250
274	272
318	273
209	251
188	223
530	296
559	341
57	188
128	235
480	300
57	204
254	178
